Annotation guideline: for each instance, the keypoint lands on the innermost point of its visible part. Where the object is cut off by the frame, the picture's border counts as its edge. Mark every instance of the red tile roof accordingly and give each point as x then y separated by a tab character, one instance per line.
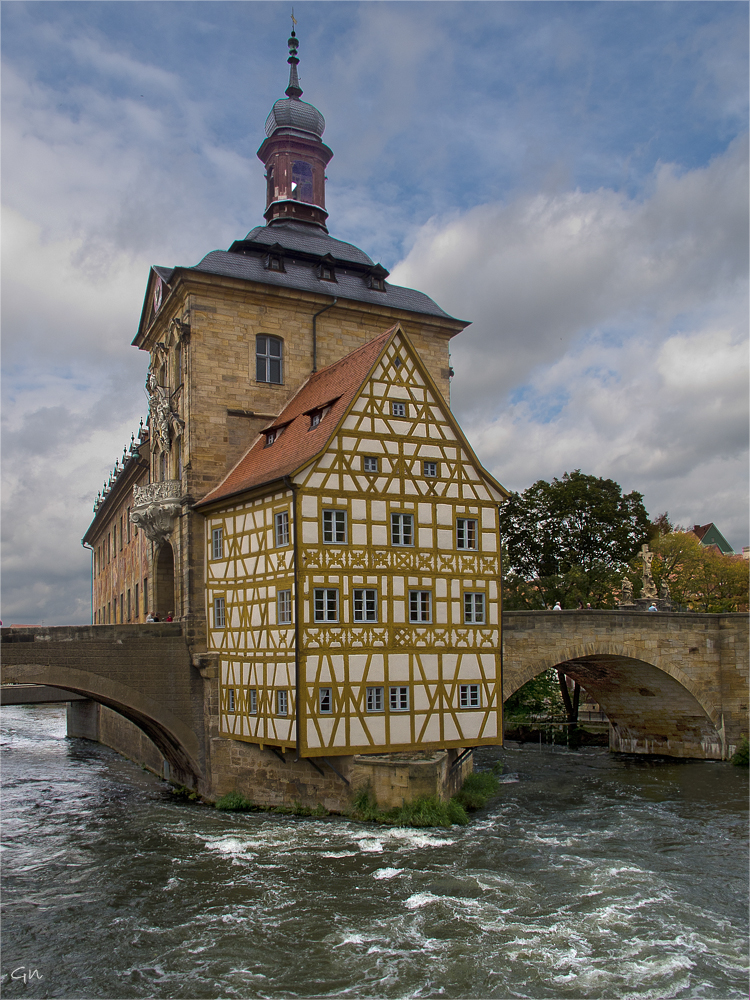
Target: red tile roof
336	385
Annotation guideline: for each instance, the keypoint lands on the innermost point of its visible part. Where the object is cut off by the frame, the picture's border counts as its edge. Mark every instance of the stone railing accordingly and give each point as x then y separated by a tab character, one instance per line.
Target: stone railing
155	507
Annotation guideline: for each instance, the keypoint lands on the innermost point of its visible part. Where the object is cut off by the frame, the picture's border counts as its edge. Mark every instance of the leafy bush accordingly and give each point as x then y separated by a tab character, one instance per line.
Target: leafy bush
365	806
428	810
425	811
478	788
234	802
456	813
741	756
181	792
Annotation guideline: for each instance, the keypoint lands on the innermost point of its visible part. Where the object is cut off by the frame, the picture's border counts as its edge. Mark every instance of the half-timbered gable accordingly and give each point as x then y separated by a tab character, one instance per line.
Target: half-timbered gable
386	572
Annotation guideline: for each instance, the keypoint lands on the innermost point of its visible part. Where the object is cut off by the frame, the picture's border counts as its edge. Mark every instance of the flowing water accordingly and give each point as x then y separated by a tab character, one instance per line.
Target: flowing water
589	876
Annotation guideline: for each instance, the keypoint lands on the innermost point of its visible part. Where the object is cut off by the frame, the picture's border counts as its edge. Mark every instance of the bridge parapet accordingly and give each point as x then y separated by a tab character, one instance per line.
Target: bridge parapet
144	672
96	633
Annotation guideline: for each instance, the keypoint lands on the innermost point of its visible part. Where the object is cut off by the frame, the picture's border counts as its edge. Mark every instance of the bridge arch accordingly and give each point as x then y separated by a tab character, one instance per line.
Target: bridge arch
175	740
653	707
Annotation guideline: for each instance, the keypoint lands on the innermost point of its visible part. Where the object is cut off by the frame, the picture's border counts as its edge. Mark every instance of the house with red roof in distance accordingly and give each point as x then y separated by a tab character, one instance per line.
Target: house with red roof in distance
710	536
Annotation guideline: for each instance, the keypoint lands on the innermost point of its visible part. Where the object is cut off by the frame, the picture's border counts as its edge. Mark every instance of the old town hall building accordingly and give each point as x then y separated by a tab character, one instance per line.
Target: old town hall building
301	498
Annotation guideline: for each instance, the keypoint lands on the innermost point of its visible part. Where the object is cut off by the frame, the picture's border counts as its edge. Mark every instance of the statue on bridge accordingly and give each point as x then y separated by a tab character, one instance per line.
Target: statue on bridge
626	594
649	587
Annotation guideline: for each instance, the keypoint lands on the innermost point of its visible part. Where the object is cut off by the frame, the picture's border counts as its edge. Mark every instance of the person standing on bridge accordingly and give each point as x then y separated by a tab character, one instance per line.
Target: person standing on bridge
557	607
653	608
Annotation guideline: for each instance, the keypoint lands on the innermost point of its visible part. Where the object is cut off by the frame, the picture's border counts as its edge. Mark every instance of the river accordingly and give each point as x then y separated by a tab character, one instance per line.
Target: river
590	876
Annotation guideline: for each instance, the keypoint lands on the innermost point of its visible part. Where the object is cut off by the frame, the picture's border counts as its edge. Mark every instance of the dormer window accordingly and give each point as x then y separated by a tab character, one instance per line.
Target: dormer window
376	278
327	269
272	434
275	262
317	415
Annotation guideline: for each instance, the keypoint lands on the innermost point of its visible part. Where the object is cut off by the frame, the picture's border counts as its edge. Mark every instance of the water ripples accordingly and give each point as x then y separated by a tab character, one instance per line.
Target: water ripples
590	877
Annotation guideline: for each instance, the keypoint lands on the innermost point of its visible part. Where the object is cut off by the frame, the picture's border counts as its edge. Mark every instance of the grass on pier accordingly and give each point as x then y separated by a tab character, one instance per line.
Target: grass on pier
476	791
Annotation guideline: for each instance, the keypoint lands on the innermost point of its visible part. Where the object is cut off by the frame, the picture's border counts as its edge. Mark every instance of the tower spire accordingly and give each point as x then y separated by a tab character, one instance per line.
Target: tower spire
293	90
294	155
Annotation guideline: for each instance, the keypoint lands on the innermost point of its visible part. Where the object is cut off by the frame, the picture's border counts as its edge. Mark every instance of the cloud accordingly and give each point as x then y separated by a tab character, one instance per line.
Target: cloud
609	335
606	285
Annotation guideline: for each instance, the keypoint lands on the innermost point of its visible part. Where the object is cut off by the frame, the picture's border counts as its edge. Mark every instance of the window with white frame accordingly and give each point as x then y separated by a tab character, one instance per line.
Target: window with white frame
402	529
474	612
420	606
399	699
370	463
231	699
220	620
374	699
334	526
268	359
217	540
281	528
466	533
282	703
326	604
429	469
398	409
469	696
325	700
365	605
252	701
284	607
317	415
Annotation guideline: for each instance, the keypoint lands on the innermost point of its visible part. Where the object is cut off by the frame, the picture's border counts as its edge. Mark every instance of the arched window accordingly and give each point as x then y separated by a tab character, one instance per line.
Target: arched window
268	359
302	181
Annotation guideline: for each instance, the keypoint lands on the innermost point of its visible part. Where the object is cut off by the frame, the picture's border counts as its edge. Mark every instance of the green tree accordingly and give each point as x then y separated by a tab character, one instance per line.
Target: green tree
570	540
699	577
539	696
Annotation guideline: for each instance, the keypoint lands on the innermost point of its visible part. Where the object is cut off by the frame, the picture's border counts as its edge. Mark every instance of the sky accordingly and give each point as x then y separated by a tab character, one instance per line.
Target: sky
571	177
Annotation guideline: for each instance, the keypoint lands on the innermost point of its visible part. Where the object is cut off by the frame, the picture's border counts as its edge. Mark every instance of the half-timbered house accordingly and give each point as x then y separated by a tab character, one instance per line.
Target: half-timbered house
353	569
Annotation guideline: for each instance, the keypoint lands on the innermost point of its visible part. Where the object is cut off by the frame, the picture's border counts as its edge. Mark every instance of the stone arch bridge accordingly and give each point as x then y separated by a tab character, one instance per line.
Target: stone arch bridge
674	684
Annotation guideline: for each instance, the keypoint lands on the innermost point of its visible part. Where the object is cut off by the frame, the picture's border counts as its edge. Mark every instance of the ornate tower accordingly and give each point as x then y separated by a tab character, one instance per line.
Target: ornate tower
231	340
295	156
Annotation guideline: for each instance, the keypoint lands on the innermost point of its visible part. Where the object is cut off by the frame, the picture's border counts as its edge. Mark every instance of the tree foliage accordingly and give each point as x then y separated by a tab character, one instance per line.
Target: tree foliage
570	541
699	577
539	696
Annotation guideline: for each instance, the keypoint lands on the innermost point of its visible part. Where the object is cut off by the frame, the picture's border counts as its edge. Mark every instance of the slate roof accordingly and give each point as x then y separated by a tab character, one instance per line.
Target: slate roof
304	276
306	238
303	248
337	385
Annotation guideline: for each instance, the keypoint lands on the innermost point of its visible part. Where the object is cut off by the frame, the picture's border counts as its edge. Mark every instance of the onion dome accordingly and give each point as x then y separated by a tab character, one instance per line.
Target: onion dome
292	112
